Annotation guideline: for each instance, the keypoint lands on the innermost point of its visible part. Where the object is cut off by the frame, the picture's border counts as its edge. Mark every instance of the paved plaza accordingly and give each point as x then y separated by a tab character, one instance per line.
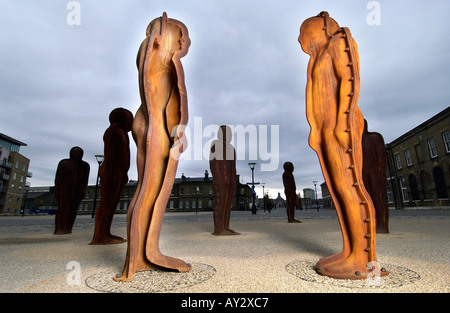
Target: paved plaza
270	255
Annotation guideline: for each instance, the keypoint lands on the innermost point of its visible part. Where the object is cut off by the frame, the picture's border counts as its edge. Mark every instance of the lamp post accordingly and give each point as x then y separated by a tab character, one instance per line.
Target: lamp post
100	159
317	201
252	167
264	198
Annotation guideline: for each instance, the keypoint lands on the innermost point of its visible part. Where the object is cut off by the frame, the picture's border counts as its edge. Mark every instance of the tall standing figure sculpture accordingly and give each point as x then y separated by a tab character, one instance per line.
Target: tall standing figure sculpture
222	163
374	175
113	174
290	191
158	133
71	180
337	123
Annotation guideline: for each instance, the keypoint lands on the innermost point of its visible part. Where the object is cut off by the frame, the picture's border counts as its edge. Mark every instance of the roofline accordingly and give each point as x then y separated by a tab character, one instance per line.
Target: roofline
434	119
12	140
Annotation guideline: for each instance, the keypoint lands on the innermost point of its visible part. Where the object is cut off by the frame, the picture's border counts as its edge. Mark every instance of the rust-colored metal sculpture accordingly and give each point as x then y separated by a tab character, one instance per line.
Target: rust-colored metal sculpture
290	191
222	163
71	180
374	175
159	143
113	174
337	123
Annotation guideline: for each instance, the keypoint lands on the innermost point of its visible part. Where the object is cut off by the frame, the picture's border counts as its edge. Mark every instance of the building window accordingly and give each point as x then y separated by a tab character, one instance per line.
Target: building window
432	147
199	204
408	157
419	155
398	162
181	191
181	204
171	204
404	189
389	195
446	137
193	204
17	164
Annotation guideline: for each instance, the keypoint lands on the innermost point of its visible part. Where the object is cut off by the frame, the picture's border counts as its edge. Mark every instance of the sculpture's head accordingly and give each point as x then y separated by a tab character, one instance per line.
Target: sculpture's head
224	133
76	153
316	31
170	34
288	167
121	117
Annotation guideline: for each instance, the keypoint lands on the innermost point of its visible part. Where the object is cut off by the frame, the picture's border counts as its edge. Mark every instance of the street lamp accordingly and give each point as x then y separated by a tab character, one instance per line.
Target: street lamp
100	159
252	167
317	201
264	197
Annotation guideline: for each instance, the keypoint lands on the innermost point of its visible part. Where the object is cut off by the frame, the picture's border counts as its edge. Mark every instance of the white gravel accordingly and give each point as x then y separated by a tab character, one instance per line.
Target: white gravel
270	256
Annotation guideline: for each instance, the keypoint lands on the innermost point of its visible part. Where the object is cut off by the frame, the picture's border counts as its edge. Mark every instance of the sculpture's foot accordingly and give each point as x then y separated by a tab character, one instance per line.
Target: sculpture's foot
169	262
128	274
294	221
61	232
352	267
225	232
107	240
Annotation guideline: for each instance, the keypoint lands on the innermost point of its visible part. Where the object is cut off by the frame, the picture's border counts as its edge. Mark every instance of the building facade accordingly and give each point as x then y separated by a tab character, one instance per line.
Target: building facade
188	195
418	165
13	175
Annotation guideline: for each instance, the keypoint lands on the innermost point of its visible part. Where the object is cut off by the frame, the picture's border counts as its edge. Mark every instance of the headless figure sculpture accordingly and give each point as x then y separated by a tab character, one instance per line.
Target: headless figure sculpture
336	123
159	142
113	174
222	163
290	191
71	180
374	175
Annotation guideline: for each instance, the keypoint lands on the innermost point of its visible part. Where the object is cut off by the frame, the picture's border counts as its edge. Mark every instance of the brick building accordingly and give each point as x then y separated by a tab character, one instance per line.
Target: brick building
418	165
13	175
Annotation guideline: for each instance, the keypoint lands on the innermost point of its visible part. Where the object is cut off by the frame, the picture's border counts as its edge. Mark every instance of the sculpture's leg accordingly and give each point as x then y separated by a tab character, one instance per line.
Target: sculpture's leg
104	217
152	246
227	210
355	211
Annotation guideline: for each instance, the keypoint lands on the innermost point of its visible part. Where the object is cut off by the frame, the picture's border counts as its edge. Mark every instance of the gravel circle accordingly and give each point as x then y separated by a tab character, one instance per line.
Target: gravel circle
151	281
398	276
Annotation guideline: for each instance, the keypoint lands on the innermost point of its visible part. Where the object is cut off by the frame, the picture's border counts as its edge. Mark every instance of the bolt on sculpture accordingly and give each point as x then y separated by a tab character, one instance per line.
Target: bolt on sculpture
222	163
336	122
374	175
159	141
290	191
113	174
71	180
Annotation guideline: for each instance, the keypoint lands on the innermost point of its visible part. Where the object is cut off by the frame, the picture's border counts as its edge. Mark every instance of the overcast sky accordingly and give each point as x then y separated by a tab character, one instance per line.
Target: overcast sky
59	80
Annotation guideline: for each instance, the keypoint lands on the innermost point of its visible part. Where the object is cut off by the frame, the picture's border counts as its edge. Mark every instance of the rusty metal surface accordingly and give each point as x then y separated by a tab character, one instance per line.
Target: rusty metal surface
290	191
71	180
222	163
113	173
374	175
337	124
159	143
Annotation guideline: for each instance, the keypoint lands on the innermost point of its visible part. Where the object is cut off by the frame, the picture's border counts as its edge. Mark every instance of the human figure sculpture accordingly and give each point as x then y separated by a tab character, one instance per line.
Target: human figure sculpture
113	174
374	175
336	122
71	180
222	163
290	191
159	143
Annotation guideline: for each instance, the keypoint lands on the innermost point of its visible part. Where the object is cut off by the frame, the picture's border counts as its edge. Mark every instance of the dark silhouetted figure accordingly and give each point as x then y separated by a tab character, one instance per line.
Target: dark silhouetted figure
222	162
113	174
70	187
290	191
374	176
